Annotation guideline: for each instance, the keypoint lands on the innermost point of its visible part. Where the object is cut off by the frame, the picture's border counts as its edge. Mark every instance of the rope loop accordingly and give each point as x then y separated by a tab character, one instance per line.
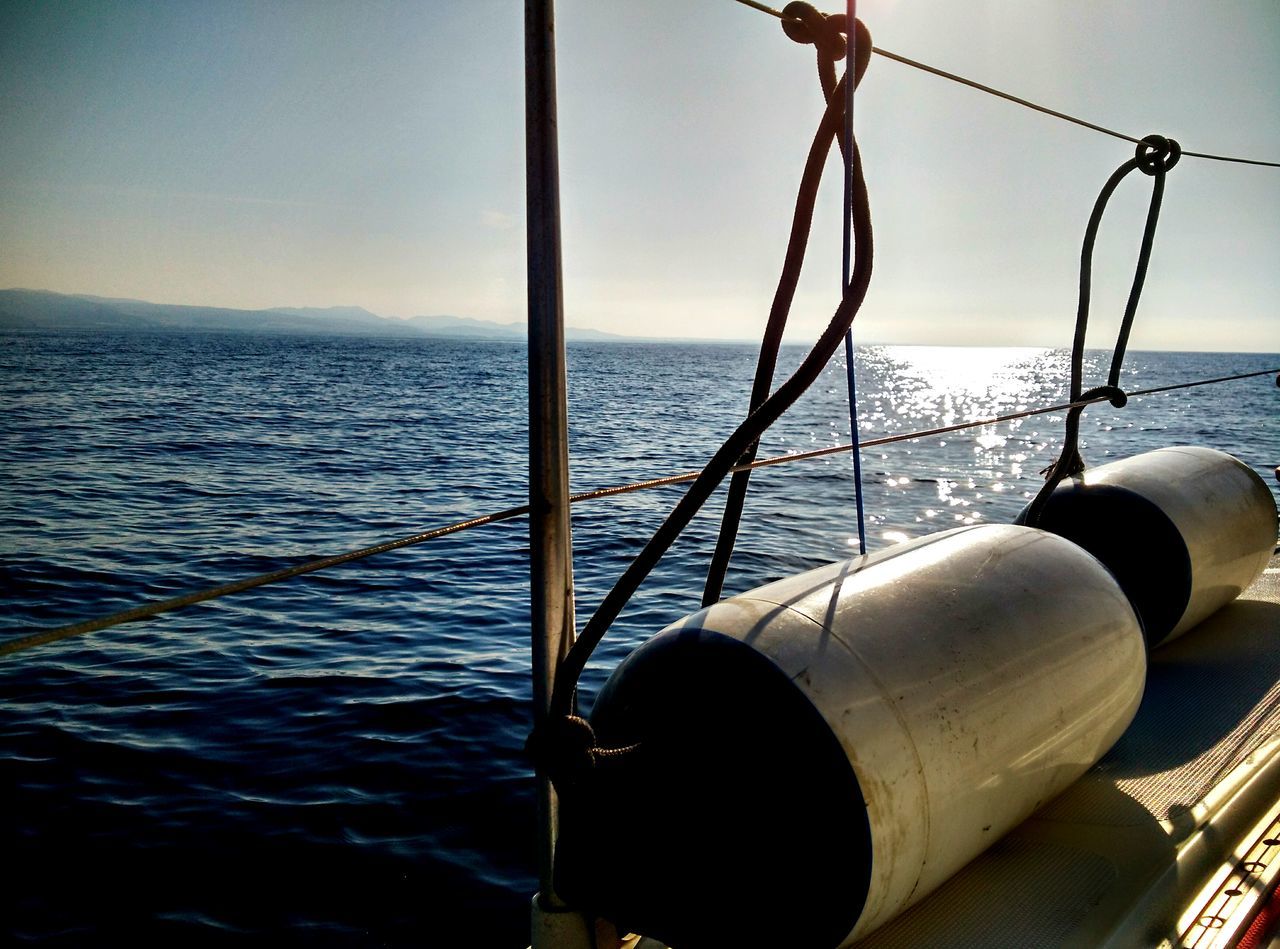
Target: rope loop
804	23
1157	154
807	25
747	434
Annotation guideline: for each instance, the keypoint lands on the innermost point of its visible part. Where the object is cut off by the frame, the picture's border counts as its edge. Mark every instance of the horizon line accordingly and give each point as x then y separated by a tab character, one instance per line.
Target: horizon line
607	335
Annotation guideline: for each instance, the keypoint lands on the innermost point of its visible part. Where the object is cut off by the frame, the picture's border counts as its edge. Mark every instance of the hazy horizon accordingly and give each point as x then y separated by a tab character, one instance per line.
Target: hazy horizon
339	309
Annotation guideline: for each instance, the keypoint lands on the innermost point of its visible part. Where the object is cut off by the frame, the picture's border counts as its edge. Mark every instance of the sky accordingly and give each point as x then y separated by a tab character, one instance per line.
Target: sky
250	154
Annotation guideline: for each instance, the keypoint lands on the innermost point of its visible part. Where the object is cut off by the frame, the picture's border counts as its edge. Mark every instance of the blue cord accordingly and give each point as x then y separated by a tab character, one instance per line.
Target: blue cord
847	256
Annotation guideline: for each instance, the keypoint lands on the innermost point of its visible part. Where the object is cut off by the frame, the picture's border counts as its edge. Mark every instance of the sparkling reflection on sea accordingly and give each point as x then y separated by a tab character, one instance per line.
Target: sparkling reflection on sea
337	760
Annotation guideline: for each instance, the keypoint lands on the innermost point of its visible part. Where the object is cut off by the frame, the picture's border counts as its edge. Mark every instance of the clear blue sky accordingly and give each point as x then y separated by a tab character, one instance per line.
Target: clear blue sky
255	154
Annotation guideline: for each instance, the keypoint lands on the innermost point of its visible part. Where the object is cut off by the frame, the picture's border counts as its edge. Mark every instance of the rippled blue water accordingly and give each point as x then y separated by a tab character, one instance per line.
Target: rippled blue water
336	760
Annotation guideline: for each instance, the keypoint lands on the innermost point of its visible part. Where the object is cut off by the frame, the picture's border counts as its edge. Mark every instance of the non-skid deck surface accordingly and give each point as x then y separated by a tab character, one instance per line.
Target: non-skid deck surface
1115	860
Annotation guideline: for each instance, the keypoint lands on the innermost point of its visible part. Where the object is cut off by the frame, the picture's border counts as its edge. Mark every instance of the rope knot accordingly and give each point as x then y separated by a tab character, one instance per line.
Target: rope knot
1157	154
1113	394
566	749
804	23
1069	463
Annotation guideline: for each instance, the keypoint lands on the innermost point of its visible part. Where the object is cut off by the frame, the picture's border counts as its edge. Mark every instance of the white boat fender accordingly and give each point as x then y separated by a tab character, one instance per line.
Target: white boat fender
809	758
1184	531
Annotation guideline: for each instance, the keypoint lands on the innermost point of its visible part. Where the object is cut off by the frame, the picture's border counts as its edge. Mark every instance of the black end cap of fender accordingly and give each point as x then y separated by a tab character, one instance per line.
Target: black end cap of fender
736	819
1134	539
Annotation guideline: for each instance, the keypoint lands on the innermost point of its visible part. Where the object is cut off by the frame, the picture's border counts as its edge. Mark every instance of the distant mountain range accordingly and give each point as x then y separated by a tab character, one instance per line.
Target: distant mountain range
43	310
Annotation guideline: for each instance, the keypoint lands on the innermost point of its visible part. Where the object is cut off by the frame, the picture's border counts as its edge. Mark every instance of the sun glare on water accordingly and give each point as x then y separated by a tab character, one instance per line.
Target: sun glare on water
970	382
951	479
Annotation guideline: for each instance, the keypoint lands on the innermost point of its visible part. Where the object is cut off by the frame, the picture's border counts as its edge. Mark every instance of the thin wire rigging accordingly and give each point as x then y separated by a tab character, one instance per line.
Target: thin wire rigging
1018	100
850	353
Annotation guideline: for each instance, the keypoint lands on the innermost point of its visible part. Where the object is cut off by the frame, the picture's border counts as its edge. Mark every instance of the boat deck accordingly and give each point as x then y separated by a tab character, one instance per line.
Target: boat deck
1172	839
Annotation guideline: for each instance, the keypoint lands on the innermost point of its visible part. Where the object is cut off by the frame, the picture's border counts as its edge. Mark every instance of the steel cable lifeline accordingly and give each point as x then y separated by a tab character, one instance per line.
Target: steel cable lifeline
990	90
826	35
147	610
1155	156
565	744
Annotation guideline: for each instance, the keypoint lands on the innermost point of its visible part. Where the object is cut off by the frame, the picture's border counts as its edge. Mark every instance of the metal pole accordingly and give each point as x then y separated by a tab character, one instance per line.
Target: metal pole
550	542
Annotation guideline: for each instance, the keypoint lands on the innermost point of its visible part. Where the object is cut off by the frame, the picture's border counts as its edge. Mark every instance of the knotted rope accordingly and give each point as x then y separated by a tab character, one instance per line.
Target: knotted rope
1155	156
549	744
826	34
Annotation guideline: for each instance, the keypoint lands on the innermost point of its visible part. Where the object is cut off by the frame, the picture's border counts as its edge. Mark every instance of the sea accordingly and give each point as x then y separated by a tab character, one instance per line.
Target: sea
337	760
